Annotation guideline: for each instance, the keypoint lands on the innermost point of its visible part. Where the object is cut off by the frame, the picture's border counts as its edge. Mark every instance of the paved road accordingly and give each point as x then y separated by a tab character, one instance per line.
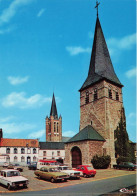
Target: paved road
93	188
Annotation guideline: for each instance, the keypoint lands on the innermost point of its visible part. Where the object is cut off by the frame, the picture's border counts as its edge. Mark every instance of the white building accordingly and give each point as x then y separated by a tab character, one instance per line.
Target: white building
21	151
52	150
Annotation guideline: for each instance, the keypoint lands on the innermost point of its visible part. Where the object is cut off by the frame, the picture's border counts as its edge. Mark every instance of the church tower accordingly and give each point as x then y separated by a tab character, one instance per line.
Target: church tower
101	99
53	124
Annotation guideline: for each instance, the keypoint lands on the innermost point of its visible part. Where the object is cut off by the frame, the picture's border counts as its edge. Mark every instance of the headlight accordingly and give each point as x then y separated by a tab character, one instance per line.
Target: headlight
13	184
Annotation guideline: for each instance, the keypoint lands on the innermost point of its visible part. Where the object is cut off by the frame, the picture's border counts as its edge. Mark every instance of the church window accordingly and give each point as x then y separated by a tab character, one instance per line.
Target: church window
110	93
54	127
95	94
117	96
87	97
34	150
8	151
49	127
15	151
22	151
22	159
57	127
15	159
91	122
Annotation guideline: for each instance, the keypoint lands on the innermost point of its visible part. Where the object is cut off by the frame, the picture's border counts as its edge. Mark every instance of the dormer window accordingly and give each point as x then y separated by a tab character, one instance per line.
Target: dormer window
110	93
95	94
87	97
117	96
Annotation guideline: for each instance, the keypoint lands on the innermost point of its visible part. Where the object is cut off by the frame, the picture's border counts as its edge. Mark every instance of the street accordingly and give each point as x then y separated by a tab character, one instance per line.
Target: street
96	187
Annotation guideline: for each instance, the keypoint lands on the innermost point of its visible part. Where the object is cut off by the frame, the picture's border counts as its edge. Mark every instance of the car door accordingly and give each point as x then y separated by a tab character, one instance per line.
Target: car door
4	179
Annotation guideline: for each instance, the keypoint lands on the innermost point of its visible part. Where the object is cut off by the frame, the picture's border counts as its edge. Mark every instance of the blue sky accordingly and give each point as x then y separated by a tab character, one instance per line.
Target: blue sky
46	46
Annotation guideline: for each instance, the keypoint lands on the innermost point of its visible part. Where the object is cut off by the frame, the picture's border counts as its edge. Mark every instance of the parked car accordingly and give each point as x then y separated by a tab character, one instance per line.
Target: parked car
125	165
15	166
5	164
51	173
12	179
72	173
32	166
87	170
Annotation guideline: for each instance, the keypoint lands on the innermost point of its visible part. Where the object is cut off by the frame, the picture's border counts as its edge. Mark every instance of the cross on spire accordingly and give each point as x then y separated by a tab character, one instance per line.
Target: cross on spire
97	4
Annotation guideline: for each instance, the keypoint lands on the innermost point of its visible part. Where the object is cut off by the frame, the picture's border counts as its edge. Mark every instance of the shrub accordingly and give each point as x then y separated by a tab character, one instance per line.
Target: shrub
101	162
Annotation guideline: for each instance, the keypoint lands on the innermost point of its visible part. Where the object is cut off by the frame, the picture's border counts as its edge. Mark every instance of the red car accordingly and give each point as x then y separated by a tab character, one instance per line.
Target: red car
88	171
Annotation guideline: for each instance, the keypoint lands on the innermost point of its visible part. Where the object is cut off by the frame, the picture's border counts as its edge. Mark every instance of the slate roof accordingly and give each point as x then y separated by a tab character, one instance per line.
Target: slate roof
65	139
88	133
6	142
53	111
101	67
51	145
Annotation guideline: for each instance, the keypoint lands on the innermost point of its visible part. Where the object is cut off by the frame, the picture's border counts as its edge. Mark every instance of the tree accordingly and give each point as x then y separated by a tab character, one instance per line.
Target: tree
122	146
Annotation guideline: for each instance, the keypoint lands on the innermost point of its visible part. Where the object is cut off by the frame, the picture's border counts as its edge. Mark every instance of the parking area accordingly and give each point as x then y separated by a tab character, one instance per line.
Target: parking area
36	184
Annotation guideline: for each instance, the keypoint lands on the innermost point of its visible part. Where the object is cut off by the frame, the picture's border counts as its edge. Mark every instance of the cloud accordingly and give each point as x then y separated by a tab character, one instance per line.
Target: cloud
37	134
131	73
6	119
125	43
40	13
77	50
17	80
10	12
20	100
6	30
11	128
69	133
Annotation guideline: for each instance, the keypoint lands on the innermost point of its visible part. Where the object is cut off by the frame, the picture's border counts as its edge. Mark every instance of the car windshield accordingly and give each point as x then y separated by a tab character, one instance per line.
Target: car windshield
13	173
89	168
53	170
66	168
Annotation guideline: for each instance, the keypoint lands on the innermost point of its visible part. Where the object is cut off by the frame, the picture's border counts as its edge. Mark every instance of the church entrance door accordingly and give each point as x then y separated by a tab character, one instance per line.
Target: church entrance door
76	156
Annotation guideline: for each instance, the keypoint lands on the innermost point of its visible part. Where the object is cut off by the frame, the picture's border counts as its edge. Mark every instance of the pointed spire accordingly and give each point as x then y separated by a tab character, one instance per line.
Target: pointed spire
100	64
53	111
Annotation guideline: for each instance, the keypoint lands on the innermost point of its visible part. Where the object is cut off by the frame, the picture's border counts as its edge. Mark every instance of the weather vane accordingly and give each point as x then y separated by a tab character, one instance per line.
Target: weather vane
97	4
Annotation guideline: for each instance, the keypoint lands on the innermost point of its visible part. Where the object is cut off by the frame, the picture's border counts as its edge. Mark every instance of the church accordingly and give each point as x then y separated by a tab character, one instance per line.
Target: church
101	108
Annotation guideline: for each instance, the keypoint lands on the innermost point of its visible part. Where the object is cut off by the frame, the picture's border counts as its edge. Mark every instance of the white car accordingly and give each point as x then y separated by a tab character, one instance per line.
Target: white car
72	173
12	179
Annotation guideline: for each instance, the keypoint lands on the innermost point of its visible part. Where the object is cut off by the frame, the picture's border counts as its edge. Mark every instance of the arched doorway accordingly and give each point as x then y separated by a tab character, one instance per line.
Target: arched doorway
76	156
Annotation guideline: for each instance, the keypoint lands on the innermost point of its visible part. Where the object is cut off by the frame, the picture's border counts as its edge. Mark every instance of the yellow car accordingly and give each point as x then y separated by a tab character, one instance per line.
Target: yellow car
51	173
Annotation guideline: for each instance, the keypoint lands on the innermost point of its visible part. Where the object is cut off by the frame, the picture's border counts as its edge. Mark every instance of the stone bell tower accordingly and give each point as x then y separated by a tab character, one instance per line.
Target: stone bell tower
101	99
53	124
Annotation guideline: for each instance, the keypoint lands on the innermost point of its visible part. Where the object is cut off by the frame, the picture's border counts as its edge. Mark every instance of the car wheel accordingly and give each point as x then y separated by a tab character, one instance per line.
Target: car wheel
25	186
38	176
84	175
52	180
9	187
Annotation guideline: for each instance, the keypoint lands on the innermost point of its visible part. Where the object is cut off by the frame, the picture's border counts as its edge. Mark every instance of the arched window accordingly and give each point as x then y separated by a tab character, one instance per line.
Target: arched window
22	151
95	94
117	96
8	151
15	151
34	150
22	159
49	127
28	150
34	159
15	159
54	127
87	97
57	127
110	93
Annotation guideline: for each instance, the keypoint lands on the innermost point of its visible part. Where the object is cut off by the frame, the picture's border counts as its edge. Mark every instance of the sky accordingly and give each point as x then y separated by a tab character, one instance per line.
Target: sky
45	47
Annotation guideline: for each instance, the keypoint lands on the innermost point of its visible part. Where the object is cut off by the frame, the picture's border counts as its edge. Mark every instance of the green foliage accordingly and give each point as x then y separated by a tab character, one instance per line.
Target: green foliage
122	147
122	159
101	162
